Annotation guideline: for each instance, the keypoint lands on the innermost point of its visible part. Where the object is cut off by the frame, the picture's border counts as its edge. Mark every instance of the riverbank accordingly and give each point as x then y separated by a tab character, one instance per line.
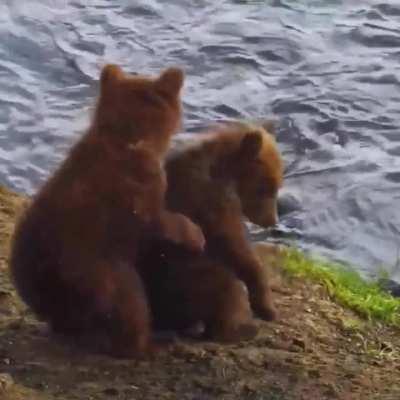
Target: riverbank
319	348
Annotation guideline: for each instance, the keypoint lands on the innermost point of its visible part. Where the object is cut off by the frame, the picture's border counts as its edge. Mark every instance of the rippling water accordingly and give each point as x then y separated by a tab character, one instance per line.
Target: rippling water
327	69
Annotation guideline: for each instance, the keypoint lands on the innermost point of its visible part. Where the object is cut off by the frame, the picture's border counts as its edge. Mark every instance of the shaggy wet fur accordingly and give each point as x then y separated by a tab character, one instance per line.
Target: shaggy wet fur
230	173
75	251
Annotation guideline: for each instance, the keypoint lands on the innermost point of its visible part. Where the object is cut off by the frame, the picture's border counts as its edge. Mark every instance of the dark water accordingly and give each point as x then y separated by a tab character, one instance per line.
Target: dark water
329	70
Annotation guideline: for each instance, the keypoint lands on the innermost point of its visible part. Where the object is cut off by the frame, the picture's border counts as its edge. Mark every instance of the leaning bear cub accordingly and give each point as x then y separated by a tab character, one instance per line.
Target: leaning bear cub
233	172
75	251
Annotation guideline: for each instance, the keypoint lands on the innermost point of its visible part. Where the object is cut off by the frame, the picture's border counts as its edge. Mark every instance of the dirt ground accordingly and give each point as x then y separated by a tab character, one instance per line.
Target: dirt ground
317	350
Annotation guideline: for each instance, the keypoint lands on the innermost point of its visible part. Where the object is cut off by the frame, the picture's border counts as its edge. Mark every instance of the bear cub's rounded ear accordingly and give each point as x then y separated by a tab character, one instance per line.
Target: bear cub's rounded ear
110	74
251	145
170	81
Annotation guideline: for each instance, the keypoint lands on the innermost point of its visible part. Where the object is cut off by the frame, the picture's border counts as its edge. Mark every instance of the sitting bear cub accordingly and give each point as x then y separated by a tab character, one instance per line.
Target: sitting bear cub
75	252
224	175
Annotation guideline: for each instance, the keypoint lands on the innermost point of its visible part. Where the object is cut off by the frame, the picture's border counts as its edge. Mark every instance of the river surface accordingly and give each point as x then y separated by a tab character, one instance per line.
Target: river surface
327	70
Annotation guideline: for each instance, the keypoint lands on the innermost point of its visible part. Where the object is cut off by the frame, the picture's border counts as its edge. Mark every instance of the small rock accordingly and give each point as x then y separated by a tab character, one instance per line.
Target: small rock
6	381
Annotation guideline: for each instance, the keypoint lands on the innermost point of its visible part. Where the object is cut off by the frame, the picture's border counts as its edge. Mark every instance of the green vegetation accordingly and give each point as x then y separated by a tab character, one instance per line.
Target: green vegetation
345	286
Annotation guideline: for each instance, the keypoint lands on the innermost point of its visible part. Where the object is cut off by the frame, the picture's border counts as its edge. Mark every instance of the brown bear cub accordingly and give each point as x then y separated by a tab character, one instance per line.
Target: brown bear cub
74	254
233	172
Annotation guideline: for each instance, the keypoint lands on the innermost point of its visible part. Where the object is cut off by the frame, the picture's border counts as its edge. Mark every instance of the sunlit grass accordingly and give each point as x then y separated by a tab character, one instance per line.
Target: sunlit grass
345	286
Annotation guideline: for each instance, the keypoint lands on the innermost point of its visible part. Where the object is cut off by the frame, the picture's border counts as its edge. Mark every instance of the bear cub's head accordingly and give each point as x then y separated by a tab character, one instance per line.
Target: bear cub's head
138	108
259	175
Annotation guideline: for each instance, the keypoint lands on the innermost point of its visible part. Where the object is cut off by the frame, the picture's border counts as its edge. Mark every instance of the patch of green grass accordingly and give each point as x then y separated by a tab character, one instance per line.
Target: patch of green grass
345	286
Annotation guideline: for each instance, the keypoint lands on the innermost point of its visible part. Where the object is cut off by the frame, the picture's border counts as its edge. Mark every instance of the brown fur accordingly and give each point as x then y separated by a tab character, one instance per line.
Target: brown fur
74	255
233	172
